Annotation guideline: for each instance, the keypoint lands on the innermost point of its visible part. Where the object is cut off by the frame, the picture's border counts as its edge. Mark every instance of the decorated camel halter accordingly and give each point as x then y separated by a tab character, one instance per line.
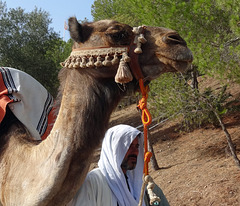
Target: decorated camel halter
109	56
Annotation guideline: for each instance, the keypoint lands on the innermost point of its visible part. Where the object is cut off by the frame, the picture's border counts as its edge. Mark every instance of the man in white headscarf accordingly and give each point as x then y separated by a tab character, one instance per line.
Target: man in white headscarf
118	179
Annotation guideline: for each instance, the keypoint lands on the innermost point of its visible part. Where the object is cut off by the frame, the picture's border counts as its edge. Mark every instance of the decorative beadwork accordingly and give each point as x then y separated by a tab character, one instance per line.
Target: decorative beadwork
107	56
88	57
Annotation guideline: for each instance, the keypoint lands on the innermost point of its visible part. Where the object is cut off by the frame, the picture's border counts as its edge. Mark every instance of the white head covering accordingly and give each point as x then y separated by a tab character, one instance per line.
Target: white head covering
114	147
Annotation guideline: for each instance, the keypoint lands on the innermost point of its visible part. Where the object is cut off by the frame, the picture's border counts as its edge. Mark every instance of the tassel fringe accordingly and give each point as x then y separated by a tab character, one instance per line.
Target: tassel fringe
124	74
99	57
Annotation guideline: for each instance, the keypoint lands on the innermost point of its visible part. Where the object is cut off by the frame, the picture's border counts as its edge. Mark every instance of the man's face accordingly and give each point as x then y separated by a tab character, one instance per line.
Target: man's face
130	159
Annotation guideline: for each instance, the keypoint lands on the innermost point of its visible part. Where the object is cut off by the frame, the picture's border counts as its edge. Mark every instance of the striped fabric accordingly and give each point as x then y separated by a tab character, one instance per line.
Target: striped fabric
28	100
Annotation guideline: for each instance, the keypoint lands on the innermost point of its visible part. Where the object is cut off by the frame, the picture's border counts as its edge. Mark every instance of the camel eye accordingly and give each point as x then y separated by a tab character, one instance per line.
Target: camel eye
118	36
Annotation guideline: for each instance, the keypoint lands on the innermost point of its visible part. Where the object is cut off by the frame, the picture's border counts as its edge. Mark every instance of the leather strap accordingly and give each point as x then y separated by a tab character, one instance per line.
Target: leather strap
134	63
99	47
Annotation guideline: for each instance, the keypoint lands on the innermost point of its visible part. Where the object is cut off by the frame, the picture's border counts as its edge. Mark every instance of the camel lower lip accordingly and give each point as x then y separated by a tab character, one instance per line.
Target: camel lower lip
178	65
187	59
181	66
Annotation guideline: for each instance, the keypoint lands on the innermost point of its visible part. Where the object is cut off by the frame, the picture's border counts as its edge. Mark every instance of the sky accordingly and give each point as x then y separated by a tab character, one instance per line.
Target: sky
59	11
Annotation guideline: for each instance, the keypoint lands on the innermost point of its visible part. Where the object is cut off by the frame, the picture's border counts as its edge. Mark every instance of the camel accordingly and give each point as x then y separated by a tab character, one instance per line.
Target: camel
101	69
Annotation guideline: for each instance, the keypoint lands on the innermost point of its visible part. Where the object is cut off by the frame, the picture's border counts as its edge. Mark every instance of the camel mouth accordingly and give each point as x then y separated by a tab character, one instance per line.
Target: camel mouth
181	63
165	64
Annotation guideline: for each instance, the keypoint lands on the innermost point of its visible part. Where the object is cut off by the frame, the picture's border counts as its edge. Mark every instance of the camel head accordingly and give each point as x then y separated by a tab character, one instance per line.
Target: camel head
112	48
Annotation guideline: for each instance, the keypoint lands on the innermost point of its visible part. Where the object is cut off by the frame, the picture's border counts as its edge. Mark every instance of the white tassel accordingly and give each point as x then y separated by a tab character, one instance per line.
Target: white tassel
141	39
138	50
63	63
98	63
125	57
77	63
90	62
84	62
70	66
68	62
71	62
115	59
107	62
152	196
123	75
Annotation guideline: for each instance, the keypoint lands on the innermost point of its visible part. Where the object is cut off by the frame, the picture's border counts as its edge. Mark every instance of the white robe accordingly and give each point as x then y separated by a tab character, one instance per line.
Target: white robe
96	192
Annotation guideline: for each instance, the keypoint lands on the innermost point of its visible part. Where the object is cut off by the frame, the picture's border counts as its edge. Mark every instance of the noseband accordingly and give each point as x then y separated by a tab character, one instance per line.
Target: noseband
109	56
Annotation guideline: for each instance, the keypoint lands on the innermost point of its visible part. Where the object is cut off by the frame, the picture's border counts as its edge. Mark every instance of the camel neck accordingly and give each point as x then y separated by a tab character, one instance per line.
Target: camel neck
79	128
79	106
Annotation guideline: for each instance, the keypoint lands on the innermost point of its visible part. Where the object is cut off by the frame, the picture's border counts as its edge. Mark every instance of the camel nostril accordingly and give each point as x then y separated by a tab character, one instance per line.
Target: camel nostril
173	39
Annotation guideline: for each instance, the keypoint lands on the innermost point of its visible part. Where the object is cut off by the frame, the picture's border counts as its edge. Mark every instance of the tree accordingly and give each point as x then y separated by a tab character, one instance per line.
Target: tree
113	9
212	31
29	44
211	28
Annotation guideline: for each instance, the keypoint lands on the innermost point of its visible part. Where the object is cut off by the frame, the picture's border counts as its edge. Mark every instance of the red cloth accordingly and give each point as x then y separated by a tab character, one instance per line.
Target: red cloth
4	98
28	100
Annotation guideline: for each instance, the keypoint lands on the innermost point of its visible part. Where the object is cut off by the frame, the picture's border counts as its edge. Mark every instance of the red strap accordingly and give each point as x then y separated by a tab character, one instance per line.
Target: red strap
51	120
4	101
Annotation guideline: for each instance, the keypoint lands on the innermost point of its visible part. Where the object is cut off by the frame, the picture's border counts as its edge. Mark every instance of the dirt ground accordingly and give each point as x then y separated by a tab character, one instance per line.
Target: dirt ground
195	169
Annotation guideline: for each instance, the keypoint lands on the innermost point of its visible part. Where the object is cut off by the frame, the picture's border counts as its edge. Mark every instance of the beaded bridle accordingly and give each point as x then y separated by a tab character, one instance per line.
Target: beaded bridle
109	56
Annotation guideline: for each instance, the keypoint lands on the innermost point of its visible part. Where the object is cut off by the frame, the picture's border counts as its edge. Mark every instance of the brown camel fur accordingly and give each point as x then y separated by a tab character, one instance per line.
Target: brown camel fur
50	172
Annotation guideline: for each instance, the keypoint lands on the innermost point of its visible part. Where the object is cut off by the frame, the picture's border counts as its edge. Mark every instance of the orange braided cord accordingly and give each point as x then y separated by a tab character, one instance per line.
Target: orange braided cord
145	132
142	88
147	157
146	116
146	120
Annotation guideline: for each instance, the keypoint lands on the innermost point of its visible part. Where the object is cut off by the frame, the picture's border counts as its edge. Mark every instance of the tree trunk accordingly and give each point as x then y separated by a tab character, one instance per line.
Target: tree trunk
194	85
194	76
150	148
229	140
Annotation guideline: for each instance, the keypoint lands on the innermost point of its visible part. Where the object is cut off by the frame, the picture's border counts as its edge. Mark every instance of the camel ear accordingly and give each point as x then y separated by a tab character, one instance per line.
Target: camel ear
75	29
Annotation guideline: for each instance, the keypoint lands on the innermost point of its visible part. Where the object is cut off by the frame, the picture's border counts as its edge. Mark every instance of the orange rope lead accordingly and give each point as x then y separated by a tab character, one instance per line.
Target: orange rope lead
146	120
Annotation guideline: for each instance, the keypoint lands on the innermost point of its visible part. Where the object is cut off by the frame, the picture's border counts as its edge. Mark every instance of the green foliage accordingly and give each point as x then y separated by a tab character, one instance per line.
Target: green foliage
165	96
113	9
212	31
211	28
29	44
171	96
